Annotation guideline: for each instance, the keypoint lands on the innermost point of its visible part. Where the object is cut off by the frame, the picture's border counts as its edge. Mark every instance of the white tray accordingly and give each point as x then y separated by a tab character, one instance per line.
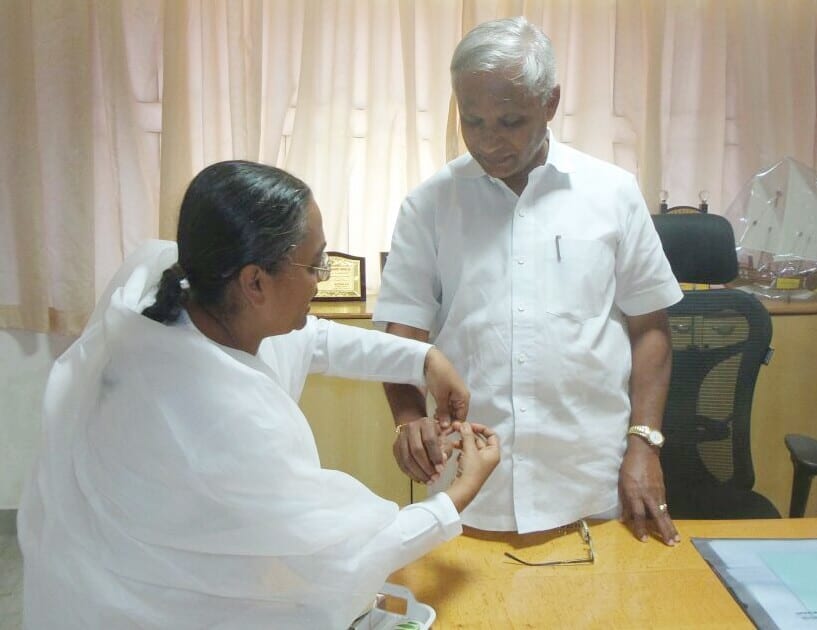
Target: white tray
418	616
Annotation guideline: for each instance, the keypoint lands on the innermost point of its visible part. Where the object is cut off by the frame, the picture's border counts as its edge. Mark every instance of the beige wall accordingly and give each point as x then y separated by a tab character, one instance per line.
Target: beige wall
785	402
25	360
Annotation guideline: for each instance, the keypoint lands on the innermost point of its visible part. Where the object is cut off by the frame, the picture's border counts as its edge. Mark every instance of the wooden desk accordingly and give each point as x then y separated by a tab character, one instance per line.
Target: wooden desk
471	584
358	309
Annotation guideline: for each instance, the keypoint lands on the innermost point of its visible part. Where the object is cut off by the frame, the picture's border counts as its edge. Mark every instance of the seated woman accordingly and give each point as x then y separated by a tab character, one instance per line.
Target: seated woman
179	484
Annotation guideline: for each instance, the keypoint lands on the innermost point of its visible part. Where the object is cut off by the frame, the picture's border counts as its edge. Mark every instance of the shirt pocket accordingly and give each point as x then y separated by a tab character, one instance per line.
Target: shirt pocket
576	278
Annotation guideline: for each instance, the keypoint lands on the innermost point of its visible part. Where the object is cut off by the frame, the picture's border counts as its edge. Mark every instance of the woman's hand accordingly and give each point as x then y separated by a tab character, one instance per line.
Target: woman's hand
449	391
478	456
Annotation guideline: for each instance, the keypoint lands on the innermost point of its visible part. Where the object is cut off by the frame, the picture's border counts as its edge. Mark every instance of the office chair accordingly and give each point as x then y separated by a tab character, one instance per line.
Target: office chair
720	338
803	451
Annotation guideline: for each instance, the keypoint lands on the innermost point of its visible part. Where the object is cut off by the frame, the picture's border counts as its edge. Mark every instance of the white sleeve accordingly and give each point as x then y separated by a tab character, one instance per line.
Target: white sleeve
410	289
425	525
419	528
368	355
644	279
344	578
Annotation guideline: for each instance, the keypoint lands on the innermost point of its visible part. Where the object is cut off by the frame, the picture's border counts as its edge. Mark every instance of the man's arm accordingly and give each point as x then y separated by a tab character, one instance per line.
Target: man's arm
418	446
641	481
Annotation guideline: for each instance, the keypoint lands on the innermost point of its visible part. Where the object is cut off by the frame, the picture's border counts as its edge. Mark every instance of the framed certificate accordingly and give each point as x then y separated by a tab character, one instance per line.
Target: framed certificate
348	279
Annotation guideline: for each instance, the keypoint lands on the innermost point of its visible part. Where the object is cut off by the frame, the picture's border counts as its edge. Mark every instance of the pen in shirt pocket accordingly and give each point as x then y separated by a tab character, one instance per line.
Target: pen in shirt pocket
558	250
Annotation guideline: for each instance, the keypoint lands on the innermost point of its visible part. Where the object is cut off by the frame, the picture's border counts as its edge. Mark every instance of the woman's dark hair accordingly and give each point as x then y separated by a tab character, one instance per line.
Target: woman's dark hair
233	214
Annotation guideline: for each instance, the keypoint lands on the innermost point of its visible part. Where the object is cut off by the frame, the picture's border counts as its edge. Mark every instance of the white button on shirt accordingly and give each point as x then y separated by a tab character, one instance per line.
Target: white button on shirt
548	330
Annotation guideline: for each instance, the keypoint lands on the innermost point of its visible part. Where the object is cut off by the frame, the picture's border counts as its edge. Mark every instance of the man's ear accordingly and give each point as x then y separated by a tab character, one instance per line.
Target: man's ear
553	102
251	281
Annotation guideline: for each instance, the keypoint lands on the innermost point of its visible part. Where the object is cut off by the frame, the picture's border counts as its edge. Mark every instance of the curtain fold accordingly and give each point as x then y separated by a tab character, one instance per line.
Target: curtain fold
23	302
78	190
354	97
45	164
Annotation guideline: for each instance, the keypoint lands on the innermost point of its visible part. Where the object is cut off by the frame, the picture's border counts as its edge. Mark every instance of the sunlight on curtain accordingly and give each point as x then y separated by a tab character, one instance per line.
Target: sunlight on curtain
79	164
350	96
354	97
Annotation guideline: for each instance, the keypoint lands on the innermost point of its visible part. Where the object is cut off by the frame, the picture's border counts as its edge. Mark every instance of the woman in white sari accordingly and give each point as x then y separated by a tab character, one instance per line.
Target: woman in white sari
179	484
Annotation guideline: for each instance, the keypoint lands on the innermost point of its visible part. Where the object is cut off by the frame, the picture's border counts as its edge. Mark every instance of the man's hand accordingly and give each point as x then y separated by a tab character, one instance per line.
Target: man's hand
419	450
641	488
640	480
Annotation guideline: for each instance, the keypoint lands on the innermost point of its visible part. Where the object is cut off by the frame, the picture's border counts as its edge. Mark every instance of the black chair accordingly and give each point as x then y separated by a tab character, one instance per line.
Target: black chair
720	338
803	451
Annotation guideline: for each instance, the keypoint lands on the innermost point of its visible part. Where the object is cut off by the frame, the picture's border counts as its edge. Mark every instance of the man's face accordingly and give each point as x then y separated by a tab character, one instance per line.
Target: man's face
503	125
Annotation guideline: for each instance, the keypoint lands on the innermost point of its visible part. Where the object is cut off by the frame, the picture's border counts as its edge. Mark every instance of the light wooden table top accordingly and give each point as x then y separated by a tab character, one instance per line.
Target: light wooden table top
363	309
471	584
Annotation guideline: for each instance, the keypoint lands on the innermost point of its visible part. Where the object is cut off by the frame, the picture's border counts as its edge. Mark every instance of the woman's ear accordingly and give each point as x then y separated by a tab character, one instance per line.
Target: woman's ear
252	281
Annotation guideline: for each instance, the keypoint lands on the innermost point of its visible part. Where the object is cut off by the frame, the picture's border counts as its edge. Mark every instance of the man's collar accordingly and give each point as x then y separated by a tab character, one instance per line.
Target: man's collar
558	157
466	166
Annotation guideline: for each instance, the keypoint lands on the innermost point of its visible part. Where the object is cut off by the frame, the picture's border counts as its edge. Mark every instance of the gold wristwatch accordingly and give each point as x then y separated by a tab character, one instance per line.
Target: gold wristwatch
654	437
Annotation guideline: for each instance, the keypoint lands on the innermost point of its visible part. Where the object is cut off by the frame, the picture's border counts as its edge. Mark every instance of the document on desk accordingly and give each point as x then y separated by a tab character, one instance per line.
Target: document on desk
774	580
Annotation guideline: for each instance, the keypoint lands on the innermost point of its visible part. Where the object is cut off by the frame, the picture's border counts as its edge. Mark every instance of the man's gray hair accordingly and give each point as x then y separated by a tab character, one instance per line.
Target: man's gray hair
508	45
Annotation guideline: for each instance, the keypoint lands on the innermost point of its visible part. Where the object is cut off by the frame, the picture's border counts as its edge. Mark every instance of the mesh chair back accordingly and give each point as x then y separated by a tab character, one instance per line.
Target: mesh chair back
719	340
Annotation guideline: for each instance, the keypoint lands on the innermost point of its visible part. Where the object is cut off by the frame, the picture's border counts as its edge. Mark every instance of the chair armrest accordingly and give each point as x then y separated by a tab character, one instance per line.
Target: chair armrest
803	451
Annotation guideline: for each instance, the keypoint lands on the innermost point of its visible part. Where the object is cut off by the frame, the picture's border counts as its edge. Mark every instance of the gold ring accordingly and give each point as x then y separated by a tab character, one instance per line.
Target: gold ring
662	507
399	428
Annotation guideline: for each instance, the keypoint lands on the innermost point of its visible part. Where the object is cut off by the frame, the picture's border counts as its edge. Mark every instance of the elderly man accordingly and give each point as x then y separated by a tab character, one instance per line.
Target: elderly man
537	270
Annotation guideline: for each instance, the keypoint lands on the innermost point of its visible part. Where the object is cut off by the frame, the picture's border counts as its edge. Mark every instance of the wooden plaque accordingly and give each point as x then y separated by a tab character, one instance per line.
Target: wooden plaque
348	279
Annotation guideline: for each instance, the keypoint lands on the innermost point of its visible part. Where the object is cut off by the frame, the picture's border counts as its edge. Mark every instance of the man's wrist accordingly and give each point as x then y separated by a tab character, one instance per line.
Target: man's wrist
406	419
648	434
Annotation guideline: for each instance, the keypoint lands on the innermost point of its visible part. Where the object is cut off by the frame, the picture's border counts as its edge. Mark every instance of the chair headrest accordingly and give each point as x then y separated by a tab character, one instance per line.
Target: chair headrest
700	247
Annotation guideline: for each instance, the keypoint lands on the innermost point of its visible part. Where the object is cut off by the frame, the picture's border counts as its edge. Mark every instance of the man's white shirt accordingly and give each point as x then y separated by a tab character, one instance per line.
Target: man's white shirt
527	296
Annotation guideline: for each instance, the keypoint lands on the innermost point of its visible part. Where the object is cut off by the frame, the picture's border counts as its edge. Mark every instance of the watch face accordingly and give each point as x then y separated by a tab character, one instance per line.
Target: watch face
656	438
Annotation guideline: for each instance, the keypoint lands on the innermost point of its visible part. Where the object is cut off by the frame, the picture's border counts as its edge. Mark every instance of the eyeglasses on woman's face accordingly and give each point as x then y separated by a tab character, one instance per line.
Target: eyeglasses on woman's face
323	270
